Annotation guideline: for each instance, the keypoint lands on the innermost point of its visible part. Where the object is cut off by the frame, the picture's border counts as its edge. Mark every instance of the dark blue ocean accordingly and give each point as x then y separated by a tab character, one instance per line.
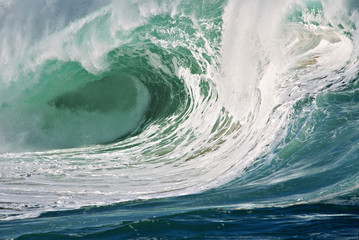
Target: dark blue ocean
179	119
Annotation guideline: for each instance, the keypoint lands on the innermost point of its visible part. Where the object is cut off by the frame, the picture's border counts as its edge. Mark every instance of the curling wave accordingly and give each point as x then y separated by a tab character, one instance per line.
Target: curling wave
149	99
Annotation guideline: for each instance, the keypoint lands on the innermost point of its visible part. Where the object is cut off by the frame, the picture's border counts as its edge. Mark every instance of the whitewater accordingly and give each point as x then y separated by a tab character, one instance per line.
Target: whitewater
179	119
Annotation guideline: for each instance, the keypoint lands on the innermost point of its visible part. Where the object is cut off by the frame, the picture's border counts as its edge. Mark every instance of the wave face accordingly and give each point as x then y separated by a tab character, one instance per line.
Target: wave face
208	110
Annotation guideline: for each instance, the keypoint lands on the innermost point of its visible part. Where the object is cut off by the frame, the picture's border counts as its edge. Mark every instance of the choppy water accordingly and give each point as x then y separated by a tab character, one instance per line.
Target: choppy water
179	119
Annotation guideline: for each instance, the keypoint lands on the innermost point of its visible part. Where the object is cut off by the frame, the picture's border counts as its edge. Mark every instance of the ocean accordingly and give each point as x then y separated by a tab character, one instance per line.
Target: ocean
179	119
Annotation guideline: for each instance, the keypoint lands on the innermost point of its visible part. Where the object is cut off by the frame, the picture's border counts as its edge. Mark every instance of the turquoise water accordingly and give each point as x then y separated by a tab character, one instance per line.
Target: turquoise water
179	119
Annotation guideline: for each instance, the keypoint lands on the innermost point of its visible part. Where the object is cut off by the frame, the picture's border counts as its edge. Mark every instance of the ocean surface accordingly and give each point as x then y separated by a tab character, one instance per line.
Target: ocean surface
179	119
